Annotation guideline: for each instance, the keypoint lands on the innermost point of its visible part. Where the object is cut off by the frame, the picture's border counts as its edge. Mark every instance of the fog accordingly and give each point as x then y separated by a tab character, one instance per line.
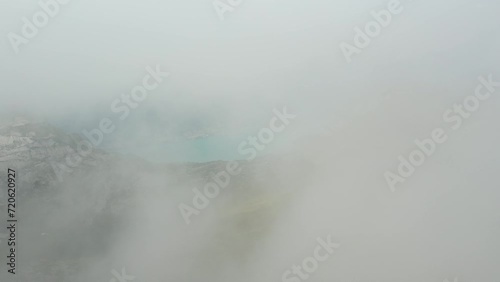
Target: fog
334	129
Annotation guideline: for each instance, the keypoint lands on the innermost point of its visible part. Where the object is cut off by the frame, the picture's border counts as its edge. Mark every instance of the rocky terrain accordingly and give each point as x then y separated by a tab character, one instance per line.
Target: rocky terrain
67	222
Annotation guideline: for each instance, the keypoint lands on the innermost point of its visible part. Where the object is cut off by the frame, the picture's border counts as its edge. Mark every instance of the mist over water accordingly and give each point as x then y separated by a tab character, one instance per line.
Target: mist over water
265	154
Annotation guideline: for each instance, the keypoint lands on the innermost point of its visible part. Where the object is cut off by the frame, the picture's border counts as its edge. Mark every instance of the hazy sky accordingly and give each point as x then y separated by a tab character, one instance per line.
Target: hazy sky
264	54
226	77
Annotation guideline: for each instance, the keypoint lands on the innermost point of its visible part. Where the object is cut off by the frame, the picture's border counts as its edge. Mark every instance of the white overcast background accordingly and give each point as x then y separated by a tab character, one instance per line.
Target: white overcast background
227	76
